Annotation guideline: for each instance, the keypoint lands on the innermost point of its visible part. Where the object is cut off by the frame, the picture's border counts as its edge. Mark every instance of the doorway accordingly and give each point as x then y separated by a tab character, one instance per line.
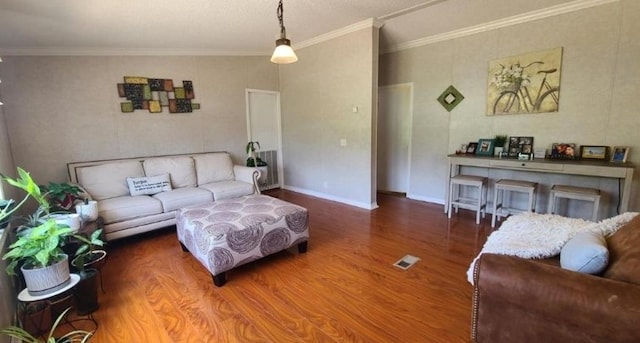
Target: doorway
263	126
394	137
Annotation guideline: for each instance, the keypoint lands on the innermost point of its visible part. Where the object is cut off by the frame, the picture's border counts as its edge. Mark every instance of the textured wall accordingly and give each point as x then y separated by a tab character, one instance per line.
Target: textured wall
319	93
599	88
65	109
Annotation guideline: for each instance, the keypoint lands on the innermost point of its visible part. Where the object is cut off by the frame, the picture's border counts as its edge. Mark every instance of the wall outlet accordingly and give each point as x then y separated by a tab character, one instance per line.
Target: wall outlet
343	142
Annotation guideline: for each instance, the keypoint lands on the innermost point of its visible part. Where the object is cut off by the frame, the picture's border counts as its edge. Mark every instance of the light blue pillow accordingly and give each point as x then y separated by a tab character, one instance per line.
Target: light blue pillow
585	253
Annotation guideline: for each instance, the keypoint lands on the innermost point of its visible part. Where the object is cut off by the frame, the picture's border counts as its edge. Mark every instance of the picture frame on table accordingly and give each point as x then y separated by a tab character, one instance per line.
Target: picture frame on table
485	147
471	148
519	145
563	151
594	152
620	154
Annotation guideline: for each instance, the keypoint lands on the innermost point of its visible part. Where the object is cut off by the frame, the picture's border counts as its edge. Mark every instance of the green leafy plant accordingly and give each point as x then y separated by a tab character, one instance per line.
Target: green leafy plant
86	249
37	248
253	160
70	337
41	245
500	140
61	196
26	183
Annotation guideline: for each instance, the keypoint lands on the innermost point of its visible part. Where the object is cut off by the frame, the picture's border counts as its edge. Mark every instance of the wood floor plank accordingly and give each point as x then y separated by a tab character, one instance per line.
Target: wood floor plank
344	289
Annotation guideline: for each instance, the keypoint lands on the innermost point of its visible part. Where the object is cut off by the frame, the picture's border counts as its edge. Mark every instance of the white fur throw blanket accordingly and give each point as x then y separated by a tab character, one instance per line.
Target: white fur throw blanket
532	235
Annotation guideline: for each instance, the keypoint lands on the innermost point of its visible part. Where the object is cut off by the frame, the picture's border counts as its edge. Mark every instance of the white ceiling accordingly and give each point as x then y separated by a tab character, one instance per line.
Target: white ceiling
205	26
229	27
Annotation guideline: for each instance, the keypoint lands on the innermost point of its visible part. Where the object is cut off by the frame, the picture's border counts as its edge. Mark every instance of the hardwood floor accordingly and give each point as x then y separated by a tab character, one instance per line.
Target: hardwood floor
344	289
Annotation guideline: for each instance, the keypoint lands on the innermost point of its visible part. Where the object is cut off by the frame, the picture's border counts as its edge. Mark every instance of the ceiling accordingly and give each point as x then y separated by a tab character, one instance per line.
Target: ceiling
245	27
238	27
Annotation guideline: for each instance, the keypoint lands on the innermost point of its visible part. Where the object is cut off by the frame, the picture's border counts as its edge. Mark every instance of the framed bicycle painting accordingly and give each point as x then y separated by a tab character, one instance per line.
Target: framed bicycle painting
528	83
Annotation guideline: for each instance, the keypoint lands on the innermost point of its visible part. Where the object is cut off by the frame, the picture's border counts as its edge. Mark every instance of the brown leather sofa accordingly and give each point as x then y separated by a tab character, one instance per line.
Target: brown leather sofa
520	300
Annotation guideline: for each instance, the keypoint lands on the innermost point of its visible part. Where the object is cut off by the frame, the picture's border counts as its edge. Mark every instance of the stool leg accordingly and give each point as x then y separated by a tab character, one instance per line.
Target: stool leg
450	199
552	203
479	205
495	207
486	198
596	206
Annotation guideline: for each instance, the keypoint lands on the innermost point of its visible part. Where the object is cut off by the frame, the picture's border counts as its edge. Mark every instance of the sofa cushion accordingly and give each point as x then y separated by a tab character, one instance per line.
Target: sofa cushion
228	189
108	180
128	207
214	167
181	170
149	185
586	253
182	197
624	253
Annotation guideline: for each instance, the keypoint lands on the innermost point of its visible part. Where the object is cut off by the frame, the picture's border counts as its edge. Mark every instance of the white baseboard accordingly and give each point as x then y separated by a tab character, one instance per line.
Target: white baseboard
427	199
350	202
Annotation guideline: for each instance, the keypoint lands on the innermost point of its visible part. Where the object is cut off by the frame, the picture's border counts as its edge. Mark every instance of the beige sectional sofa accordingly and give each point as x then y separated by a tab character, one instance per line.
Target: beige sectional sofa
136	195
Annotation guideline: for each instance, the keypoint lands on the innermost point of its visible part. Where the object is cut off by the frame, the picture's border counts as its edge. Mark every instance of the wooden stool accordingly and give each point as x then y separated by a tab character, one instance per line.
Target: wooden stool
478	204
499	207
577	193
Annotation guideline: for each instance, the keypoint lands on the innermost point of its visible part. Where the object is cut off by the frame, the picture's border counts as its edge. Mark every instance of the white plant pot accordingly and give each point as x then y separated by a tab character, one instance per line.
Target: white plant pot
72	220
88	212
497	150
41	281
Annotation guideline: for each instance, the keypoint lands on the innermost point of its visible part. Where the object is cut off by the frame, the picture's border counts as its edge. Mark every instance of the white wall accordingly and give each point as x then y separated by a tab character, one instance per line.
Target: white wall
598	94
65	109
319	93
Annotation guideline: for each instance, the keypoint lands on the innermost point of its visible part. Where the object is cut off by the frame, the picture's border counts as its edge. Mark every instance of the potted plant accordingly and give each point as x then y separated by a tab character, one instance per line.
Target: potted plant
498	142
87	256
24	336
253	149
87	210
38	251
61	196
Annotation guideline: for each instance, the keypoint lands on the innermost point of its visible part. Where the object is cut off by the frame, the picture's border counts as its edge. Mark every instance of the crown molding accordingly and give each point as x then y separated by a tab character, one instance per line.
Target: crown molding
569	7
371	22
59	51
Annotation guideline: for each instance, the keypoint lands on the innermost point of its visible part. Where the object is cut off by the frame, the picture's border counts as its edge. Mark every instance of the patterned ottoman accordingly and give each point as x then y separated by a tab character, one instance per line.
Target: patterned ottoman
231	232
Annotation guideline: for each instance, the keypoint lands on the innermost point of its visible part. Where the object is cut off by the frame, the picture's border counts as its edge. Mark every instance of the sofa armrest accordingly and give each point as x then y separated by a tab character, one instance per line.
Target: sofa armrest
247	174
519	300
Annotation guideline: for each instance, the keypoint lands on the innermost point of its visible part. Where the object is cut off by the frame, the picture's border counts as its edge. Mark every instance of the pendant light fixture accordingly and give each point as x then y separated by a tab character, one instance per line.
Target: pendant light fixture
283	54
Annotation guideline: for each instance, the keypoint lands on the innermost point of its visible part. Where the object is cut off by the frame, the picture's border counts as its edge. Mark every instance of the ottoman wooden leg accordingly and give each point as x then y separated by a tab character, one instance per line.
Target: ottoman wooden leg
302	247
183	247
220	279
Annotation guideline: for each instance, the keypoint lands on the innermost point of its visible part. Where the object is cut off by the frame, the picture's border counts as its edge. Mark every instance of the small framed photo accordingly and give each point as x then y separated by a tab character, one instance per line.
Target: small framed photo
566	151
471	148
485	147
594	152
620	154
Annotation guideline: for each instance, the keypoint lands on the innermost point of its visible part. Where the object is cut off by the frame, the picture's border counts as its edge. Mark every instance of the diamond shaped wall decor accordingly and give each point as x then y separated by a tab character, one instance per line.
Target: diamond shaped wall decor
450	98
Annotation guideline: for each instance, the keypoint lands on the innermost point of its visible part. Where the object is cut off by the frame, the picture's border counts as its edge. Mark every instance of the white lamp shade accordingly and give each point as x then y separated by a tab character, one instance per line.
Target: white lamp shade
283	54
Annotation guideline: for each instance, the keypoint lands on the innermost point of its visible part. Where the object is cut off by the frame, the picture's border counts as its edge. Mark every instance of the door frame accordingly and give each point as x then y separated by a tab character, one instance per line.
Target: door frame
278	124
409	148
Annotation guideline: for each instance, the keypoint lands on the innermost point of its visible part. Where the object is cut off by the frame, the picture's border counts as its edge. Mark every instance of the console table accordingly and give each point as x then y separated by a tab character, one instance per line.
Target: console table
622	171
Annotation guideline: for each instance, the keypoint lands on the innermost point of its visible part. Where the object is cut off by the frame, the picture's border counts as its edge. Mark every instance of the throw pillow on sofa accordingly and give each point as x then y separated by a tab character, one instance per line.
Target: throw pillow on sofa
586	253
149	185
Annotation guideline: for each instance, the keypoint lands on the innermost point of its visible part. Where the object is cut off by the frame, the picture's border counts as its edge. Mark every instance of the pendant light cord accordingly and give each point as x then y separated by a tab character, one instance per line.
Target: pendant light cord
283	31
